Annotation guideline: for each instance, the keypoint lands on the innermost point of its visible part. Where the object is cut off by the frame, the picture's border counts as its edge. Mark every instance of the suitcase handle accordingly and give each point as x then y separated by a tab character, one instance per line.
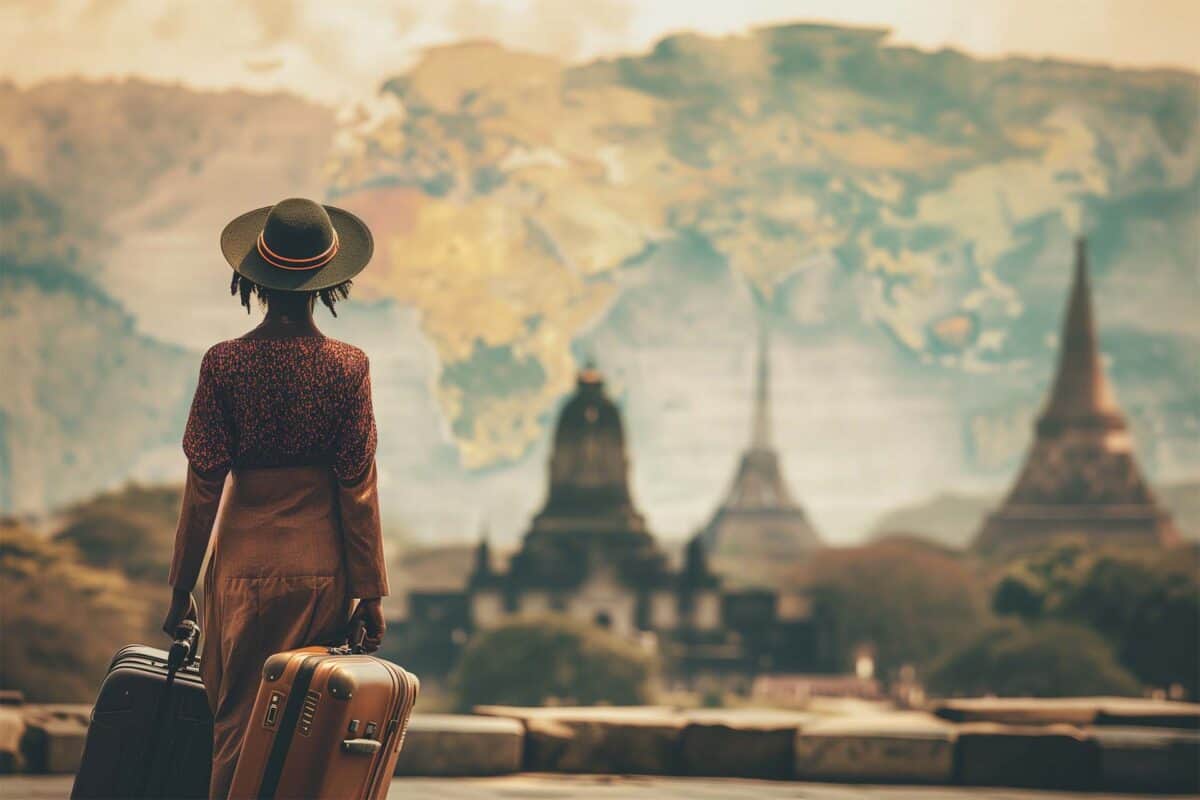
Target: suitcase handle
354	641
183	649
361	747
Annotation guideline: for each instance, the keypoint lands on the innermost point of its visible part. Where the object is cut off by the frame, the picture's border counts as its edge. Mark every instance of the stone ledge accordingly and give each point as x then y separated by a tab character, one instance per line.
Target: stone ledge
53	737
636	740
743	743
1079	711
1155	760
1041	757
12	730
895	747
905	747
453	745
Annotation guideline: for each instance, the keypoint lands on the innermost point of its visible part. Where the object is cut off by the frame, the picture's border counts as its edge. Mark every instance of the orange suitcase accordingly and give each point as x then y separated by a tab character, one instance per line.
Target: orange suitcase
327	723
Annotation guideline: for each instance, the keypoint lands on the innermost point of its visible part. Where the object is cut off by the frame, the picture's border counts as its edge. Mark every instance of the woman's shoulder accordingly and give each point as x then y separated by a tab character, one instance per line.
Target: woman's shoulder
351	357
219	354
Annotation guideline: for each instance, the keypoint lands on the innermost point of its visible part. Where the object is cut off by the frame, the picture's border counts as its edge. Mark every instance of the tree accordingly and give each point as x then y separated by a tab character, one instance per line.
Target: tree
911	600
60	620
1150	611
1047	659
1019	594
1144	602
534	660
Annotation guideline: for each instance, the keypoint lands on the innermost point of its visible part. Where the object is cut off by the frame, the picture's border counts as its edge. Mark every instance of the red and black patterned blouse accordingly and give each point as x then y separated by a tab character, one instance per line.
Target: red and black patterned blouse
282	402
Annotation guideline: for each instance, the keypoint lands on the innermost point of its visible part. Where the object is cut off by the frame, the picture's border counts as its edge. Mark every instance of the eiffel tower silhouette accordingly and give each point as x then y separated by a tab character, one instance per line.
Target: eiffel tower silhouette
758	519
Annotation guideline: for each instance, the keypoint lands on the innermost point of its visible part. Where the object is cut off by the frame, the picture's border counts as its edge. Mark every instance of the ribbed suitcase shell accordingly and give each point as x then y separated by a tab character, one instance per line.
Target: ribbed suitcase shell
317	718
133	752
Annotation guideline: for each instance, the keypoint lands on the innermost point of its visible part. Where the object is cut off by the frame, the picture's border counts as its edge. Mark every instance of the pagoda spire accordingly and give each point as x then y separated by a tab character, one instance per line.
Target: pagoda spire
760	435
1080	477
1081	390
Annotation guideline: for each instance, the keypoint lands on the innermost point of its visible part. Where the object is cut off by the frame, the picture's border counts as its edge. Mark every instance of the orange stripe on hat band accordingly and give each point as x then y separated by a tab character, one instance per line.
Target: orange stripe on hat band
276	260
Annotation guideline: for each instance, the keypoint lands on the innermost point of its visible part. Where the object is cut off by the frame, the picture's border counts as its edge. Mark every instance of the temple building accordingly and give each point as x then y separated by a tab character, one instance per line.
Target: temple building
759	532
588	554
1080	478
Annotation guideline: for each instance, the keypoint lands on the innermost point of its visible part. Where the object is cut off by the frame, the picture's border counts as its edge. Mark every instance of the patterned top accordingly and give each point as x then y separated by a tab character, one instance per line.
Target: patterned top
282	402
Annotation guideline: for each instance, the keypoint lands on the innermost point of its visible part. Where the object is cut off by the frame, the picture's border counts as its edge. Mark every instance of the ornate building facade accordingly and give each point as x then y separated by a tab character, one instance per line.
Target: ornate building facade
1080	477
588	554
759	532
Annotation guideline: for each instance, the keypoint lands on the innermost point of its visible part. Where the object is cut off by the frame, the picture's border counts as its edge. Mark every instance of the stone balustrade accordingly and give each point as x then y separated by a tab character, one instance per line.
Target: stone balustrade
1084	745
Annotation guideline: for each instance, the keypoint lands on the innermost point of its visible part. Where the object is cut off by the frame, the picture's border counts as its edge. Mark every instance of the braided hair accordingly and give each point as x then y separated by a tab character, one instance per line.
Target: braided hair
248	288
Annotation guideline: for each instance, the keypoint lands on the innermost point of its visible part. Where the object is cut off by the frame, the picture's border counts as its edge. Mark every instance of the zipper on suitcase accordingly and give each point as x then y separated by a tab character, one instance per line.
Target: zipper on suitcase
375	775
287	728
395	728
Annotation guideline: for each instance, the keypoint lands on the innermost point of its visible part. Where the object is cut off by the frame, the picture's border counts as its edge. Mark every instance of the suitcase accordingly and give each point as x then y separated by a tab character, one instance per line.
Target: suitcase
328	722
151	729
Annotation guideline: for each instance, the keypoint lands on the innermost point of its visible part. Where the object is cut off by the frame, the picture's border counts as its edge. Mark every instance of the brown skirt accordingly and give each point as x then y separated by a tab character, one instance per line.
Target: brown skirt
276	581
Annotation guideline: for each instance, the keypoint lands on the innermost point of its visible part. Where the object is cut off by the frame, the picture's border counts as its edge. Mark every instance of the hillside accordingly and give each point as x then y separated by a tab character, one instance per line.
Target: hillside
110	191
88	400
953	519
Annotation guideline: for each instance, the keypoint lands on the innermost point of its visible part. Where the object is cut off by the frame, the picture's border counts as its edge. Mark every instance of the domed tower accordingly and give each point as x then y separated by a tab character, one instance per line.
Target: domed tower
589	520
1080	478
589	471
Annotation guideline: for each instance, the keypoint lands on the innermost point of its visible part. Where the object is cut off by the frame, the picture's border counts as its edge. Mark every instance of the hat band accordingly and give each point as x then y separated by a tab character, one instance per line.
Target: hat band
283	262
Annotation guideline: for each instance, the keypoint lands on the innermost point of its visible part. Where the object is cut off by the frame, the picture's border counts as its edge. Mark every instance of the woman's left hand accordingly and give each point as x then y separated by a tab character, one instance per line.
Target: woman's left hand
183	606
370	613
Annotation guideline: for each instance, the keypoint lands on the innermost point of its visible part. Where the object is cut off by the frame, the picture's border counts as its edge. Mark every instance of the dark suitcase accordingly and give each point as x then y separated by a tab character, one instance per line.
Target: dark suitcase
328	723
151	728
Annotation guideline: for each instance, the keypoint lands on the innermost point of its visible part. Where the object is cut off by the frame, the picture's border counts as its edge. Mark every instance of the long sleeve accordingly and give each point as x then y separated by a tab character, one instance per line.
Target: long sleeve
358	493
197	513
206	443
362	535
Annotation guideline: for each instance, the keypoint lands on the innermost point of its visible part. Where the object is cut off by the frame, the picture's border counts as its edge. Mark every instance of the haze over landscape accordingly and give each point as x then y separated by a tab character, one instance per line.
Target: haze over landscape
900	218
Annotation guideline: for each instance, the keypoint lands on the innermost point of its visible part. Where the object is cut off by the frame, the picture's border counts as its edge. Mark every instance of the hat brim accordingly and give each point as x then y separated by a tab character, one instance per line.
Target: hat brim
355	246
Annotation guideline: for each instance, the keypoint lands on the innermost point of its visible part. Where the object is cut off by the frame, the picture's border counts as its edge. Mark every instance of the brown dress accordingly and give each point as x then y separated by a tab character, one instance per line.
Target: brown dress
281	451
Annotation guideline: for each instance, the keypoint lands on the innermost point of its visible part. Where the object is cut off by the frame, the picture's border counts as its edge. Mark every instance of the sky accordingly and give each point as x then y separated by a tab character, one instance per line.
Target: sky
339	52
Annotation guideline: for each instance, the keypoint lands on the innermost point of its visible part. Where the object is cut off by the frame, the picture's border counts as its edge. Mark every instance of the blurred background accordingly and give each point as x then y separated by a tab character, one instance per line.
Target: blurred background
813	258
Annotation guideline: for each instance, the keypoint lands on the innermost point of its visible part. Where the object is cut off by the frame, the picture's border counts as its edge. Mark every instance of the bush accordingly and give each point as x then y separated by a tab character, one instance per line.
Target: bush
530	662
60	620
131	530
1048	659
1150	612
1145	602
913	601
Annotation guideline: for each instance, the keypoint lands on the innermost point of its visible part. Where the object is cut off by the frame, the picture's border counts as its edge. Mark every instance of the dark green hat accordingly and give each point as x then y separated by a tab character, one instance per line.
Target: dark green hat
297	245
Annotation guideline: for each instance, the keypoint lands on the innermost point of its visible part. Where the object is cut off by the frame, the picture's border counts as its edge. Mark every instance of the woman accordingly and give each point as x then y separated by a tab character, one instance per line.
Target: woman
281	452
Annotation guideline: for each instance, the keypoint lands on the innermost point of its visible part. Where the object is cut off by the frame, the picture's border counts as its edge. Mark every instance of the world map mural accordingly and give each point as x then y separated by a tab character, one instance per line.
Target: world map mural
898	221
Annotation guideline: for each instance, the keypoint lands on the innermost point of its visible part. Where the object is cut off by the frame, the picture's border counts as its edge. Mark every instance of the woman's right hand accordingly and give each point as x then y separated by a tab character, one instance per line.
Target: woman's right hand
370	613
183	606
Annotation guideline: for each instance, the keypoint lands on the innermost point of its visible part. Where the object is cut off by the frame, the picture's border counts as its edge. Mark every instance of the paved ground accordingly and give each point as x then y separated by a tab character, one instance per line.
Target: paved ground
554	787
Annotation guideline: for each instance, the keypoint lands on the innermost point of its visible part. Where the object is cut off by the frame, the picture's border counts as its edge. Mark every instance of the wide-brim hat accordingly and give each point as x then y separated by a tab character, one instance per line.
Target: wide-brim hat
297	245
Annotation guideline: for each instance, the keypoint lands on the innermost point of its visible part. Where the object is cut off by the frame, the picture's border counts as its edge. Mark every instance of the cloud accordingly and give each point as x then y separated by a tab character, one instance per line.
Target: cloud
278	20
553	27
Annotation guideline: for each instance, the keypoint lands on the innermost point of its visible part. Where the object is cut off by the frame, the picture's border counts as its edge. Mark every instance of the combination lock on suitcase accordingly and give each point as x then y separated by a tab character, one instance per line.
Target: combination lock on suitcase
327	723
151	730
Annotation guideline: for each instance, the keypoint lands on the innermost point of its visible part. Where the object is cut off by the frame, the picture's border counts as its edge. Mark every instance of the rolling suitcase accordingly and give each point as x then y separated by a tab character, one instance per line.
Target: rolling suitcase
151	729
328	723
